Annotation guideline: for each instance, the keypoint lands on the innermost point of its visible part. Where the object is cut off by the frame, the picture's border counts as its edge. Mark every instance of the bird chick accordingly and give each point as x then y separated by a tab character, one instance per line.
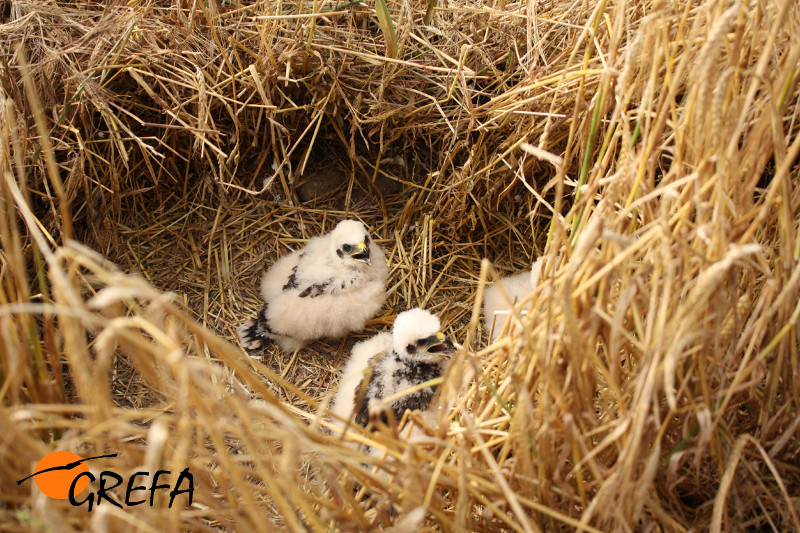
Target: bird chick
386	364
497	306
330	287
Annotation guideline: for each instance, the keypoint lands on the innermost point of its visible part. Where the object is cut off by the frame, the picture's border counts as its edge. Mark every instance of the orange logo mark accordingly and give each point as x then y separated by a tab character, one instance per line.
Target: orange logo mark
56	471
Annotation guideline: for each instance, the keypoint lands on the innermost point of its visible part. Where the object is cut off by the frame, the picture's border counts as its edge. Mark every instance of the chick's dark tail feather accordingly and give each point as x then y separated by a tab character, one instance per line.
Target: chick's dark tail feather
254	332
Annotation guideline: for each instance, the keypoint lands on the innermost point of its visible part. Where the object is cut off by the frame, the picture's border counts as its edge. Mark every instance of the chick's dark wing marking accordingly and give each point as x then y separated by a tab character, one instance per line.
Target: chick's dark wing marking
369	387
418	400
291	282
310	291
317	289
416	373
361	401
333	286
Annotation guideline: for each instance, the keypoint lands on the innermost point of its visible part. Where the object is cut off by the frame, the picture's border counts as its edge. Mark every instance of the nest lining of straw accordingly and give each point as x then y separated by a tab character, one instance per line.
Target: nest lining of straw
221	287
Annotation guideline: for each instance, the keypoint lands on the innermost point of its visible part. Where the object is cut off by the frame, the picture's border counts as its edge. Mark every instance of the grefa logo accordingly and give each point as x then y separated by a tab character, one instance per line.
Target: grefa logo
64	475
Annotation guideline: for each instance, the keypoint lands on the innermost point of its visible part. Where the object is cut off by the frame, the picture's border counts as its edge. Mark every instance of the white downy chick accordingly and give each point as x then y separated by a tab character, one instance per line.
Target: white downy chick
497	307
415	352
329	288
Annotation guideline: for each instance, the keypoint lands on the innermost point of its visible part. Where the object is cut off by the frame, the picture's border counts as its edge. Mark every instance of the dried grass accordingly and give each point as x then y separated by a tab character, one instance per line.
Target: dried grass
650	148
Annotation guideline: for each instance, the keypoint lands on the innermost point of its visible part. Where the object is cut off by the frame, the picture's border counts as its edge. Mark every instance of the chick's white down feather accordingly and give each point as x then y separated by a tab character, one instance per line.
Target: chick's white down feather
497	306
329	288
415	352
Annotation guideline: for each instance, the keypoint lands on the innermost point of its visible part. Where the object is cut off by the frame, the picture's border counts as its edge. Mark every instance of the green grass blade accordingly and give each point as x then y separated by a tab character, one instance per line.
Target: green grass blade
429	11
387	26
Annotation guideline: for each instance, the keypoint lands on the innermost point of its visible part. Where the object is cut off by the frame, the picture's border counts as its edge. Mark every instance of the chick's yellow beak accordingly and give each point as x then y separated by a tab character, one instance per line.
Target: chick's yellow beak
438	344
361	253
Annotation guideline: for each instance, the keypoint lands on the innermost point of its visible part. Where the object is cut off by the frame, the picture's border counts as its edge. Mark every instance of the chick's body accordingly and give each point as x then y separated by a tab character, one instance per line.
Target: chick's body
330	287
504	294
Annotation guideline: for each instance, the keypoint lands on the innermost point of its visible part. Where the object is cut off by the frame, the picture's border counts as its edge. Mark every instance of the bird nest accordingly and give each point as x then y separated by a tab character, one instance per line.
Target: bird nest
156	157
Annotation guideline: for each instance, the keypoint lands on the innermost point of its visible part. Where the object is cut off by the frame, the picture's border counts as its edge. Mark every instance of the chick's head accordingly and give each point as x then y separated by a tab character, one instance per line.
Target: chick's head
416	336
350	242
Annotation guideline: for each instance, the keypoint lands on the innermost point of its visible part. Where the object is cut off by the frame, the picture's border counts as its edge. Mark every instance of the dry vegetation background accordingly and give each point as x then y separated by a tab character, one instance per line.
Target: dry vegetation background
155	156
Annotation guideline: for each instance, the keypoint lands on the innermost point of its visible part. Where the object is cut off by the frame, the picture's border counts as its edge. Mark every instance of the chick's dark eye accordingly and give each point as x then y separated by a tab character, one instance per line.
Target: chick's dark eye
347	248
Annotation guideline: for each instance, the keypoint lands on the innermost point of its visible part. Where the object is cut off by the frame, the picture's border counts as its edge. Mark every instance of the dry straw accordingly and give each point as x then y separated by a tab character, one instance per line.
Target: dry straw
156	156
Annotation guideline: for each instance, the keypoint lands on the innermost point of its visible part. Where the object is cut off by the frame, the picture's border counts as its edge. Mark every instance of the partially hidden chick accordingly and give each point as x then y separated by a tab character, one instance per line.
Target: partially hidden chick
329	288
415	352
497	306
